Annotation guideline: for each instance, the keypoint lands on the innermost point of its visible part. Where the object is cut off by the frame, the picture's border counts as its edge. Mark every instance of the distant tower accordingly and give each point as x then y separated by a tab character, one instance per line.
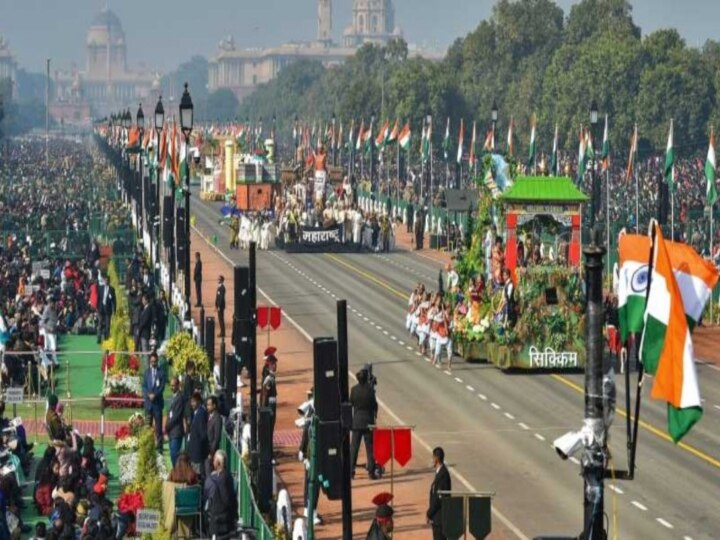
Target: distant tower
324	34
373	21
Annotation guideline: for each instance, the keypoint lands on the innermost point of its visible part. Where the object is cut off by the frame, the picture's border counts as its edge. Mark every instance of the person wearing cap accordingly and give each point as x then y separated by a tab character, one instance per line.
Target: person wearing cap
268	392
382	525
220	304
364	405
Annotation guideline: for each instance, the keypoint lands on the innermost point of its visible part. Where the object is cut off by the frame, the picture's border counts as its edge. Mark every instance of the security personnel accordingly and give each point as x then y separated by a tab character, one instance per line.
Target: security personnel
268	392
364	404
220	304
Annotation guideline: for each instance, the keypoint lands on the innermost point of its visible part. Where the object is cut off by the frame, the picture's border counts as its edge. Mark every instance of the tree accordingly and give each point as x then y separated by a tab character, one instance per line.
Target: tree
194	72
590	17
222	104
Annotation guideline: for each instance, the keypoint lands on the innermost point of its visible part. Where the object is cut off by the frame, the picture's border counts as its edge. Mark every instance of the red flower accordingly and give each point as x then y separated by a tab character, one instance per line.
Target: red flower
108	361
122	432
131	502
134	363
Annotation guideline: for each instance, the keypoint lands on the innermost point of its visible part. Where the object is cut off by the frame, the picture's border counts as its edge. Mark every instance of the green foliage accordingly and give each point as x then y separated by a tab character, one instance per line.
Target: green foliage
120	337
147	458
180	348
222	104
531	58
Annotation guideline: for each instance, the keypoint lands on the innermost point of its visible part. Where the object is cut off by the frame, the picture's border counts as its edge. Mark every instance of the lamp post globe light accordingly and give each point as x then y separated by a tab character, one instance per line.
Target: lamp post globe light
593	180
186	124
159	124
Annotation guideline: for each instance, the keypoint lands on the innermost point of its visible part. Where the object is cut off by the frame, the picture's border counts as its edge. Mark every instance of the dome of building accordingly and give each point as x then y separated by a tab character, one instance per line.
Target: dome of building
103	22
107	18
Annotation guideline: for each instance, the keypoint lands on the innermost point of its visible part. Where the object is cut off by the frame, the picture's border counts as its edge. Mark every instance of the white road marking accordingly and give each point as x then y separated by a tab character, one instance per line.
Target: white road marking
523	425
365	318
616	489
510	416
687	538
393	338
386	332
446	372
495	406
458	379
401	343
409	348
664	523
575	460
717	407
437	366
539	437
418	354
483	397
641	506
470	388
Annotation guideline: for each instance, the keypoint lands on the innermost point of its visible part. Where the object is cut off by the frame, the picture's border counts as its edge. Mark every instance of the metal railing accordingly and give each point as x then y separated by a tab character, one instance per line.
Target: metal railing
248	511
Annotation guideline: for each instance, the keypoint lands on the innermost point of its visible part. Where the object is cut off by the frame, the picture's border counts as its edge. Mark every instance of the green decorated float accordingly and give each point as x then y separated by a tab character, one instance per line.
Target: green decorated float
541	221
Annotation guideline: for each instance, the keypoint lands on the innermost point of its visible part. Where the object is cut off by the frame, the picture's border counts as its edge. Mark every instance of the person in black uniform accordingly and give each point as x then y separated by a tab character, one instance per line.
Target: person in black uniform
419	226
441	482
410	217
268	392
364	404
197	278
220	304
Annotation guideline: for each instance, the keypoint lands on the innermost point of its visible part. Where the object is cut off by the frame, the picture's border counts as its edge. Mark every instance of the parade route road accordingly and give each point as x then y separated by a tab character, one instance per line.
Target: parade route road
497	429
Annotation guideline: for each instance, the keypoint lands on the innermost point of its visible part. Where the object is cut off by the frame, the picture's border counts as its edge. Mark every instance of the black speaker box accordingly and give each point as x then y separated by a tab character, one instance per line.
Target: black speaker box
167	223
329	463
326	379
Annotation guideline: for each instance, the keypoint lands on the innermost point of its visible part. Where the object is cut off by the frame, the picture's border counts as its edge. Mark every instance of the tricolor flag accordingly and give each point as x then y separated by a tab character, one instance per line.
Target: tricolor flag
510	143
446	140
670	160
532	148
382	136
405	136
605	157
351	134
461	138
133	140
368	138
554	161
489	144
472	148
394	133
425	147
710	170
582	156
339	140
666	348
360	135
162	150
632	158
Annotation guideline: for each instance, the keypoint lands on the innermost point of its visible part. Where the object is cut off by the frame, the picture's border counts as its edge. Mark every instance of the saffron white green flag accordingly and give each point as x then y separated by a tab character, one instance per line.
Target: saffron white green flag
446	140
405	136
666	348
461	139
710	171
670	160
532	149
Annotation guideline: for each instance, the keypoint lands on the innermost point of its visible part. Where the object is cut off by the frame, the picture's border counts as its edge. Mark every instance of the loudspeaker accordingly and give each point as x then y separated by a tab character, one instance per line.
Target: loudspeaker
329	464
181	240
231	373
241	292
167	223
326	379
210	339
265	445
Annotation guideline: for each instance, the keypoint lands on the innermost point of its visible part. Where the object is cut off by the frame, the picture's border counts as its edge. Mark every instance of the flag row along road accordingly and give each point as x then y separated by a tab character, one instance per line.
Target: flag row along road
497	429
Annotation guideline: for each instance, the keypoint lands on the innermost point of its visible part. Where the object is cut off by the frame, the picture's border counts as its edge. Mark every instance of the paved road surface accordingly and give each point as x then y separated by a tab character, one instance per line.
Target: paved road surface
497	429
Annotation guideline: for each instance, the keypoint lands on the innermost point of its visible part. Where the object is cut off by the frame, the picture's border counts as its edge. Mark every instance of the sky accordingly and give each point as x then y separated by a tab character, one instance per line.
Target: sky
163	33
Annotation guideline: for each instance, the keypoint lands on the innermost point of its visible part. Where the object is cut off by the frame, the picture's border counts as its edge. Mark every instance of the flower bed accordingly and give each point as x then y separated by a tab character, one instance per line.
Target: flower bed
122	391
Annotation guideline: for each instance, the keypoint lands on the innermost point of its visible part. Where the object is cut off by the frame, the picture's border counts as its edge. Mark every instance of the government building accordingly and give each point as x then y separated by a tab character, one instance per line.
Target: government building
242	70
106	84
8	68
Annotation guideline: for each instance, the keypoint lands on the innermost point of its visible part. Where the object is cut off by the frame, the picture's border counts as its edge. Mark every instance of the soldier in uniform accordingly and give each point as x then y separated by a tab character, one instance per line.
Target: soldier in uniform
382	526
268	392
220	304
234	232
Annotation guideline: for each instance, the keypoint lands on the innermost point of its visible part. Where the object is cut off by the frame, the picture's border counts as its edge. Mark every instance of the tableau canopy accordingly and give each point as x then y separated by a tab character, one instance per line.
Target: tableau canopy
559	189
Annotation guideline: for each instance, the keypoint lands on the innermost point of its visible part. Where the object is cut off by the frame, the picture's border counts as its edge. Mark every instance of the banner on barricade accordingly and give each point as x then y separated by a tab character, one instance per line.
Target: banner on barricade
318	239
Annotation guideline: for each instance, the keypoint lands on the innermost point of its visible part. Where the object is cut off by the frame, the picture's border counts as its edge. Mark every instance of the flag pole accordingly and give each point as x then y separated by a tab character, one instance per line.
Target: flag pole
637	200
712	260
607	218
672	215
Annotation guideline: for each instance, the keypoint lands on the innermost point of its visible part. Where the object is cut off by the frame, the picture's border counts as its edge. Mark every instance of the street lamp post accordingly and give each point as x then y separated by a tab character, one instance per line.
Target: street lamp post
296	137
140	123
159	122
494	118
332	142
593	176
186	124
372	152
126	121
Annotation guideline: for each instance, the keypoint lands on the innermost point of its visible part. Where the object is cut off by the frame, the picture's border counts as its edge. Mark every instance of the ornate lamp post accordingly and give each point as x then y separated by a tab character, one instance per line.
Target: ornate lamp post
159	124
494	118
593	177
140	123
186	125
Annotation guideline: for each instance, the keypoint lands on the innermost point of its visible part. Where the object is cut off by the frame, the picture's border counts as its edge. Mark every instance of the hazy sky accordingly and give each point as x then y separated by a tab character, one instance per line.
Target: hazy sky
163	33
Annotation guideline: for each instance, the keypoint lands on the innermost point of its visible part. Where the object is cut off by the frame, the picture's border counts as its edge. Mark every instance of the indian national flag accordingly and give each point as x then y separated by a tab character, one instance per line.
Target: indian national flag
133	140
383	135
632	283
582	156
670	160
632	158
472	147
605	156
446	140
394	132
489	144
461	139
666	348
360	135
554	161
350	140
405	136
510	143
532	149
710	170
